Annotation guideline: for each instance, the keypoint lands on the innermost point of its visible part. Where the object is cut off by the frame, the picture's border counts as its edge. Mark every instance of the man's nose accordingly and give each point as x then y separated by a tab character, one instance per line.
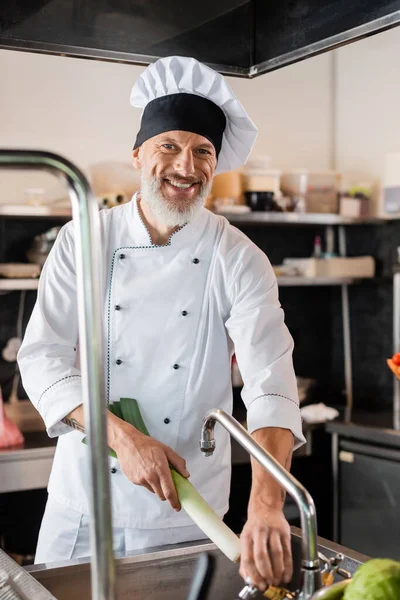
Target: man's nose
184	163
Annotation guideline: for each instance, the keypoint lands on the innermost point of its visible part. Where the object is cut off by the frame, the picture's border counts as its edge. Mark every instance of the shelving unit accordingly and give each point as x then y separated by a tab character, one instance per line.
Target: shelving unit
328	221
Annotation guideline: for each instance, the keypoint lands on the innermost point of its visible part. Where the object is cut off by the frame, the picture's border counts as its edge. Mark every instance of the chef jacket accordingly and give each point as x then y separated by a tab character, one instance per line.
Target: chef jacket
173	317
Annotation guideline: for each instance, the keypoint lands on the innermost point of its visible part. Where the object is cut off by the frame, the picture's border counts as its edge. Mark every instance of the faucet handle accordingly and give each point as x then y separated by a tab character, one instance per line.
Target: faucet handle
332	566
271	593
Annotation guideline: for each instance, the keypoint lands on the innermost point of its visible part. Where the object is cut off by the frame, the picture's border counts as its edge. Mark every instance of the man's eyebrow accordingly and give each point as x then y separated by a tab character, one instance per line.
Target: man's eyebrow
206	145
168	140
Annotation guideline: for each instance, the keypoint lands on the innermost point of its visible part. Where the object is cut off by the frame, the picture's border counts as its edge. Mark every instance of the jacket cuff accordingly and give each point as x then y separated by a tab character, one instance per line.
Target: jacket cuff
272	410
57	401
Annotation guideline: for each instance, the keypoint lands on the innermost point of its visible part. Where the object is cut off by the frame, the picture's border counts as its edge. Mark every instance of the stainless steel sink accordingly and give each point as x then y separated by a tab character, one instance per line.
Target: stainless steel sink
165	574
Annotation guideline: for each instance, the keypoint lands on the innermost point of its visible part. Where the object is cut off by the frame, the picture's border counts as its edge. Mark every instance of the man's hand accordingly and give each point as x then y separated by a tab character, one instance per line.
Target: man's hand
266	550
266	555
145	461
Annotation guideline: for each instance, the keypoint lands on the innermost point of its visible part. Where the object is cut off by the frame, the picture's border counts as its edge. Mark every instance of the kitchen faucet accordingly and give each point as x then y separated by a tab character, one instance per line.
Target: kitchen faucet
310	564
89	268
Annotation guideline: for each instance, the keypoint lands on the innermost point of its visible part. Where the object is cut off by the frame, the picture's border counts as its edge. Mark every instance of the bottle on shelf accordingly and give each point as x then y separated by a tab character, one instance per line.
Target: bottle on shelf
317	251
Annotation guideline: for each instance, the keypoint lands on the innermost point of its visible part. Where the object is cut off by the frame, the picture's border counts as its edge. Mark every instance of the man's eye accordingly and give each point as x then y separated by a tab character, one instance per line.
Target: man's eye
203	151
168	146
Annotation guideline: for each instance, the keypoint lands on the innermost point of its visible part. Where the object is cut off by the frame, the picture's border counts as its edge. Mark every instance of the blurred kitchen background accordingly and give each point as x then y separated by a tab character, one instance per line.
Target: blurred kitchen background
321	184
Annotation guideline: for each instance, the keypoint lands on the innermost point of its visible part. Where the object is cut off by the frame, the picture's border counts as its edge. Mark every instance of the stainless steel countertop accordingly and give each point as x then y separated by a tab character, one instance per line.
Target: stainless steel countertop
27	468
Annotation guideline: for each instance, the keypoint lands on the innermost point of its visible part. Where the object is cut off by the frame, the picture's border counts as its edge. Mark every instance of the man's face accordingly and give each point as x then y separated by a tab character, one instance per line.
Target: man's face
177	170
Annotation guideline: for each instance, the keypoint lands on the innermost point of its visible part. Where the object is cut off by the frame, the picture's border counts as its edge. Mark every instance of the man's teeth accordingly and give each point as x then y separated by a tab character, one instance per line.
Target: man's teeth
183	186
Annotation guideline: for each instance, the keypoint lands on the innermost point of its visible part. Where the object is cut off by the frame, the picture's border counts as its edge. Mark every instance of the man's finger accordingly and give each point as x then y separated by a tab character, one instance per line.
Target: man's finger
276	556
287	557
261	558
157	489
247	565
147	486
169	490
177	461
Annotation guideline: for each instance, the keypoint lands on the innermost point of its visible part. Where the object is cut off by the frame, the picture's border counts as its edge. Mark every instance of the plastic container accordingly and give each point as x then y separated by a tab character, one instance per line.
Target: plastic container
262	180
319	189
323	192
295	183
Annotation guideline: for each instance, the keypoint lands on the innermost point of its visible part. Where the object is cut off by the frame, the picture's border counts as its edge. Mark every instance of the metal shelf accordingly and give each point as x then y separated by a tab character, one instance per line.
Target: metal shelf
315	281
26	210
10	285
277	218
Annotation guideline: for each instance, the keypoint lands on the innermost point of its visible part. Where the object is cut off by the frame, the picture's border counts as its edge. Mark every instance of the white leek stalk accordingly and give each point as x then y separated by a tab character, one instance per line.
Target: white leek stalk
205	518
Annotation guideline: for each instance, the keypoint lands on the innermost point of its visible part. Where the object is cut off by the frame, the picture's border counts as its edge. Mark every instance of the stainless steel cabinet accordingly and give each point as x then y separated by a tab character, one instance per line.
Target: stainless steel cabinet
367	494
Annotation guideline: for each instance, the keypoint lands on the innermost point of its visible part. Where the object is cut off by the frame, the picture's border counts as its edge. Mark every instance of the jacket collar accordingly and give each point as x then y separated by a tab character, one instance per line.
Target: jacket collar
186	235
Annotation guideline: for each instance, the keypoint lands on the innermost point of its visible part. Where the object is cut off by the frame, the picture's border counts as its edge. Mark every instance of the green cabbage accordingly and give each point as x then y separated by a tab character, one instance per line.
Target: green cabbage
377	579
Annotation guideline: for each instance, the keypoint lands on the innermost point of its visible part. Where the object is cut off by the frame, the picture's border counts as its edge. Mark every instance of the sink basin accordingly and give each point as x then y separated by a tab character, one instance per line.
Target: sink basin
165	573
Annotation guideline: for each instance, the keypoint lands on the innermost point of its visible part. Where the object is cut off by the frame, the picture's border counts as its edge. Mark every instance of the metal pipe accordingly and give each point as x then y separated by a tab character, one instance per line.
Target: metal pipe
335	475
304	501
348	367
89	278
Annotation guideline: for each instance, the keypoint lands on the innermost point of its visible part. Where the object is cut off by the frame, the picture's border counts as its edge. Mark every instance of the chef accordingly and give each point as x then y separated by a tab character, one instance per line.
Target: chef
184	291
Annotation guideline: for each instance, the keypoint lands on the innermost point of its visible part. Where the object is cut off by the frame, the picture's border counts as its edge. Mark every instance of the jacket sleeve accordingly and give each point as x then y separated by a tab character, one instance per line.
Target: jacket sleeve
48	355
263	345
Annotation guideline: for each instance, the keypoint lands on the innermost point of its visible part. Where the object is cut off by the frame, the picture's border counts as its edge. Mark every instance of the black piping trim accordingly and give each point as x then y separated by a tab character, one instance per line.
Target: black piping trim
55	383
273	394
149	247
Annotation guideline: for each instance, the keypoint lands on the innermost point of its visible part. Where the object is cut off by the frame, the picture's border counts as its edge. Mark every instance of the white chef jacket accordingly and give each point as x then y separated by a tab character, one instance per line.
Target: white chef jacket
173	317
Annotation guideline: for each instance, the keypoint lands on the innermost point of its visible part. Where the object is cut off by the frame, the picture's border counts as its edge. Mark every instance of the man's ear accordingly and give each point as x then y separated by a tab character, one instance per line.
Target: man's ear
137	158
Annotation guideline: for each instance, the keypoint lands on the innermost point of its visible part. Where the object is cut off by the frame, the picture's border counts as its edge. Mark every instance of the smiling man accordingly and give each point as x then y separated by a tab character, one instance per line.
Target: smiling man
184	291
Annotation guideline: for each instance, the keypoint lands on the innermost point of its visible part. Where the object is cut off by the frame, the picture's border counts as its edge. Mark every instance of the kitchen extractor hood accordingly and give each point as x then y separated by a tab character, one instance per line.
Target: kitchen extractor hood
238	37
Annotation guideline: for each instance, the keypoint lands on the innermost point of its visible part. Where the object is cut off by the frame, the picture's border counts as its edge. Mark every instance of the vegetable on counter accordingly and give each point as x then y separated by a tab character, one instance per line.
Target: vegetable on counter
191	501
377	579
394	364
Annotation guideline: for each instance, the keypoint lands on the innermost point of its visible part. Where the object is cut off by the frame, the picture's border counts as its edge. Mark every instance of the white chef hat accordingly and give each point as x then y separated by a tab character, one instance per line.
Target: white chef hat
178	93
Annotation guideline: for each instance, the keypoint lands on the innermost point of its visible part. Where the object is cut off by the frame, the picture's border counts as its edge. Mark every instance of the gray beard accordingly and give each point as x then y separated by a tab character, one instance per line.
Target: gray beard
164	211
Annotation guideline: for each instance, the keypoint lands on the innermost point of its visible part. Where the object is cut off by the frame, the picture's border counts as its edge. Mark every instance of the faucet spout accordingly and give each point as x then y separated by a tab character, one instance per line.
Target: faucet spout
311	573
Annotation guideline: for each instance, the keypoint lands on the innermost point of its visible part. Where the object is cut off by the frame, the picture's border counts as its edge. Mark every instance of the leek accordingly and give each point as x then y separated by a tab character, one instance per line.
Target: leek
205	518
131	413
191	501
